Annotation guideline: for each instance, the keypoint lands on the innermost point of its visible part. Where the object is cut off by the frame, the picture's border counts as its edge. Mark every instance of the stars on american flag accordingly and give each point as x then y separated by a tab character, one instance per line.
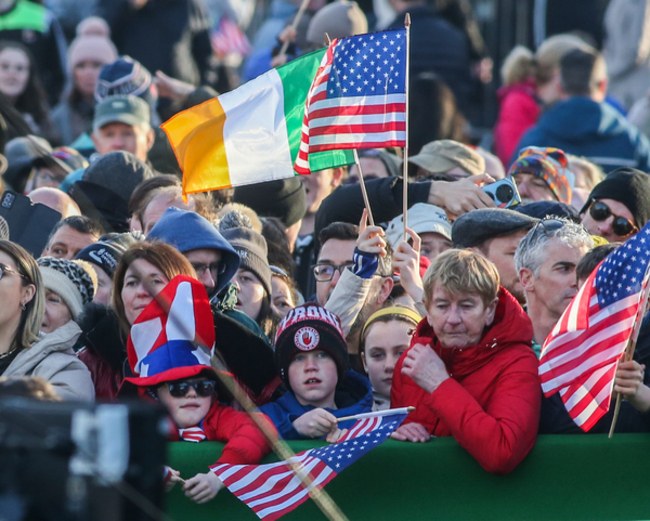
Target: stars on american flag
611	281
379	62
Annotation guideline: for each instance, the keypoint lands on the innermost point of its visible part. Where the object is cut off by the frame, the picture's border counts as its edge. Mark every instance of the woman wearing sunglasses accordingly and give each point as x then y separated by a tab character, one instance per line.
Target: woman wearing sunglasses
22	351
619	206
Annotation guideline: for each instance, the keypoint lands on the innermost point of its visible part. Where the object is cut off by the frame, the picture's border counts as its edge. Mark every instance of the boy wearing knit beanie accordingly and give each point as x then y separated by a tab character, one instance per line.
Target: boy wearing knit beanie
311	356
69	286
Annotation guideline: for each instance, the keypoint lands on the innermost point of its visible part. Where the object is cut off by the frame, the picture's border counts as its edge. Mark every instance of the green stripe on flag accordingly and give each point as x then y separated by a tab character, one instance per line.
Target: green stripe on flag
296	77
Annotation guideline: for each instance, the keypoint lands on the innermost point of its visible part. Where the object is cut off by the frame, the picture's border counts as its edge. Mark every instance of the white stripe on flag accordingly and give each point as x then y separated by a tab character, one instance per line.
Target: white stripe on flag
293	484
299	496
368	119
257	472
353	101
357	138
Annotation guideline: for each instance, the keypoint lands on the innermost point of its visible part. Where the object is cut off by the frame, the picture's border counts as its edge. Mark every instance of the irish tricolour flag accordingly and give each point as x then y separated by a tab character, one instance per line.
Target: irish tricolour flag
251	134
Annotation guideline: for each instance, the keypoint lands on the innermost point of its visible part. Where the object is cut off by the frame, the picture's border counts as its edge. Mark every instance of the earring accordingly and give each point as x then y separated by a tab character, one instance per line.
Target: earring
24	306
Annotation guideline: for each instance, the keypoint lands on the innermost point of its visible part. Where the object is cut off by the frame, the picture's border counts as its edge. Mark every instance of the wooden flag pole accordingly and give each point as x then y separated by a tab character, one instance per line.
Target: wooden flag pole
629	350
294	25
407	25
363	187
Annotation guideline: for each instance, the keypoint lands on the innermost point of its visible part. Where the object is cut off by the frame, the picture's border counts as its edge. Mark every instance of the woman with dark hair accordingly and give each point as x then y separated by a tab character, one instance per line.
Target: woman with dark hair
253	278
22	351
21	88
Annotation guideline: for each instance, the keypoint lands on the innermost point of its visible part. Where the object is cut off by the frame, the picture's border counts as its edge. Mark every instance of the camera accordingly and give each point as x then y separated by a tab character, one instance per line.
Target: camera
504	193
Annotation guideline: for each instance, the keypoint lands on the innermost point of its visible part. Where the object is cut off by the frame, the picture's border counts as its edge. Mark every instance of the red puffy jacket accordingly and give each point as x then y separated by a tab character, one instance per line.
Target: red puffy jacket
518	112
491	402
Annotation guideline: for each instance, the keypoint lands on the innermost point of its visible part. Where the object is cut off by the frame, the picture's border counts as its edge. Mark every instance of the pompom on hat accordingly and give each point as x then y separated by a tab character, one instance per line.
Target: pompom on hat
307	328
173	338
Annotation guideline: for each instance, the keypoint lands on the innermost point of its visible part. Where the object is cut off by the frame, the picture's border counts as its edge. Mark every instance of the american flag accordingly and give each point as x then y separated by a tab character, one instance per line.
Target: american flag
580	356
273	490
358	97
228	38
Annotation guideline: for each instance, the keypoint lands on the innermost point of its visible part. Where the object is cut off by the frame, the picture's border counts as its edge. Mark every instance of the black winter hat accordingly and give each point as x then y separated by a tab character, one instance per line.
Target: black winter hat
119	172
101	204
285	199
628	186
252	250
307	328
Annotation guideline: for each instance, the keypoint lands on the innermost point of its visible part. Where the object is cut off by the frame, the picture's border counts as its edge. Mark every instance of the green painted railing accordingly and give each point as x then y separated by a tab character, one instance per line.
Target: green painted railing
564	478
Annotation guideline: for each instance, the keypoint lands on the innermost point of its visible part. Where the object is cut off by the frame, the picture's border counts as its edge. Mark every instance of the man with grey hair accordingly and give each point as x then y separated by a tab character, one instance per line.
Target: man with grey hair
546	260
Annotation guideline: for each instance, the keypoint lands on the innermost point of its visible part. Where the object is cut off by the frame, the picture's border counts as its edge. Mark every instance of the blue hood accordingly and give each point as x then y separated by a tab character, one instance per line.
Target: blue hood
581	120
188	231
353	396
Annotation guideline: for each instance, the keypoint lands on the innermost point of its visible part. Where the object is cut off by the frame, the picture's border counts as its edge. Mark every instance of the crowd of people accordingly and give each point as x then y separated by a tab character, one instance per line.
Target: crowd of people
316	306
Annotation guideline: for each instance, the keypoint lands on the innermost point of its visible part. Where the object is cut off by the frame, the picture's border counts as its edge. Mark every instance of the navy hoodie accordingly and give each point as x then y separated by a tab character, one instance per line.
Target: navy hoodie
597	131
354	396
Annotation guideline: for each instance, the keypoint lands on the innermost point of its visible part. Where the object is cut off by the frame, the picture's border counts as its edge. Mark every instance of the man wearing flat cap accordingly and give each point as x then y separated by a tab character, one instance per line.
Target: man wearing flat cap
495	233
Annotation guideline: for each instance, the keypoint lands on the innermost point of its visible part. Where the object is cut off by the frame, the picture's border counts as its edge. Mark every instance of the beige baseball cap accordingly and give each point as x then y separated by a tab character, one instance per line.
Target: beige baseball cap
441	156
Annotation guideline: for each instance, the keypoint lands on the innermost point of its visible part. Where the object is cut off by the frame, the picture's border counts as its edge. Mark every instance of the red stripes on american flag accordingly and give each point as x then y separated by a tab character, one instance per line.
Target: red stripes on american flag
580	356
336	119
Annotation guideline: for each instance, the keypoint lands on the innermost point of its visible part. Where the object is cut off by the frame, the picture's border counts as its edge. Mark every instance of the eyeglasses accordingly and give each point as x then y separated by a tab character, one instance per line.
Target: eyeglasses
216	268
325	272
6	269
203	388
547	225
599	211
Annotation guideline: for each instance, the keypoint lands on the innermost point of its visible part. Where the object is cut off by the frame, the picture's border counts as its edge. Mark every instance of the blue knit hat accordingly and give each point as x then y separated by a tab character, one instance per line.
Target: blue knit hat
188	231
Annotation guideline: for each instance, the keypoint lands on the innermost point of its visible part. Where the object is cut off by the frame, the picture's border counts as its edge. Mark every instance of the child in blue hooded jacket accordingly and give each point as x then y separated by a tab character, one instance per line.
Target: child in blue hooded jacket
312	358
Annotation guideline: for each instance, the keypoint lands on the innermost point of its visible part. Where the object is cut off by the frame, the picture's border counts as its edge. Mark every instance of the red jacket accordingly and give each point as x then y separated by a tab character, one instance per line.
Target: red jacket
244	441
518	112
491	403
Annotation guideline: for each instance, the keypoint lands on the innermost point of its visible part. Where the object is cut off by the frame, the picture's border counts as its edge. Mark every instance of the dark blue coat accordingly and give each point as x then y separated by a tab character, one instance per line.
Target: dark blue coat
597	131
354	396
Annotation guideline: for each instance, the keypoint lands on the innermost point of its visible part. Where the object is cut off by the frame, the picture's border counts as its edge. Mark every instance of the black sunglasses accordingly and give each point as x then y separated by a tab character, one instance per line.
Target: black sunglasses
599	211
547	225
203	388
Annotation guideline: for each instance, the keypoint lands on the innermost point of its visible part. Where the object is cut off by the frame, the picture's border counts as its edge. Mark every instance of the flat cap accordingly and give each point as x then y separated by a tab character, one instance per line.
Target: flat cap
476	227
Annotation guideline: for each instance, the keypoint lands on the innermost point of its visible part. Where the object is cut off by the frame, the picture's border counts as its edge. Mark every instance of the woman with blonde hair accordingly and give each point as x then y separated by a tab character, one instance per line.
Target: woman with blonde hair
22	351
531	82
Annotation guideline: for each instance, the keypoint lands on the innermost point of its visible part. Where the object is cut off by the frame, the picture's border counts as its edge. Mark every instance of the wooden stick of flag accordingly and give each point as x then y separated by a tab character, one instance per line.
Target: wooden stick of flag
407	25
294	25
363	188
376	414
631	346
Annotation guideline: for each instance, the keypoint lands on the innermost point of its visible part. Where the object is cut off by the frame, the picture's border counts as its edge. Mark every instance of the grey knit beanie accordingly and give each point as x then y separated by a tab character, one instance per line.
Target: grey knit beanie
252	249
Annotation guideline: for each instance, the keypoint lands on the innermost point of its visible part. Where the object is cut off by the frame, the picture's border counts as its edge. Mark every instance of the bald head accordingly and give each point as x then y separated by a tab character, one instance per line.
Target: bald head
55	199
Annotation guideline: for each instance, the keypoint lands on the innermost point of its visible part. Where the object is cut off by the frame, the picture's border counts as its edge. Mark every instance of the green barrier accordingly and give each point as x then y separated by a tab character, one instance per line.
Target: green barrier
564	477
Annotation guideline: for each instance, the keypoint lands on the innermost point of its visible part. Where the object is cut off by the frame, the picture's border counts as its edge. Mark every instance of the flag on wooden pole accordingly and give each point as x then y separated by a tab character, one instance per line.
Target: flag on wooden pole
273	490
251	134
580	356
358	97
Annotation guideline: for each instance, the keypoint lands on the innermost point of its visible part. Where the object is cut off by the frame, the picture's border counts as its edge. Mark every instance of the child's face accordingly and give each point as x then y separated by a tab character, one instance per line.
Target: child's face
189	410
313	378
385	343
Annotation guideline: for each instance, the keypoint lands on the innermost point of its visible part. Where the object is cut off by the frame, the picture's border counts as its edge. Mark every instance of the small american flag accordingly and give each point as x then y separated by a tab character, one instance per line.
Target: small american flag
358	97
273	490
228	38
580	356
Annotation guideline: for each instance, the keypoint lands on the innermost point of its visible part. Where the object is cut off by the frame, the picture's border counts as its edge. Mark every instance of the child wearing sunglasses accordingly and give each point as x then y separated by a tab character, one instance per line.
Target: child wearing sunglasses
170	352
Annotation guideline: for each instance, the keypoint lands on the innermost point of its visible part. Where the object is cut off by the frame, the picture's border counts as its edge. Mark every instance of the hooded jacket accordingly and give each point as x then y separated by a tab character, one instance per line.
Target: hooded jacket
491	402
353	396
54	360
597	131
187	231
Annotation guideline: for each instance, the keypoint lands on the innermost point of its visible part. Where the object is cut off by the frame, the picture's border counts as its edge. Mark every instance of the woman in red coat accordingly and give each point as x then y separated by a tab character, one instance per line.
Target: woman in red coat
470	370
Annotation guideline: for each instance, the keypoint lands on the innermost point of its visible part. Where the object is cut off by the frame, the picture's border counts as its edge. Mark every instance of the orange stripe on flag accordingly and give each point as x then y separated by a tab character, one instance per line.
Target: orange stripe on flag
196	135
